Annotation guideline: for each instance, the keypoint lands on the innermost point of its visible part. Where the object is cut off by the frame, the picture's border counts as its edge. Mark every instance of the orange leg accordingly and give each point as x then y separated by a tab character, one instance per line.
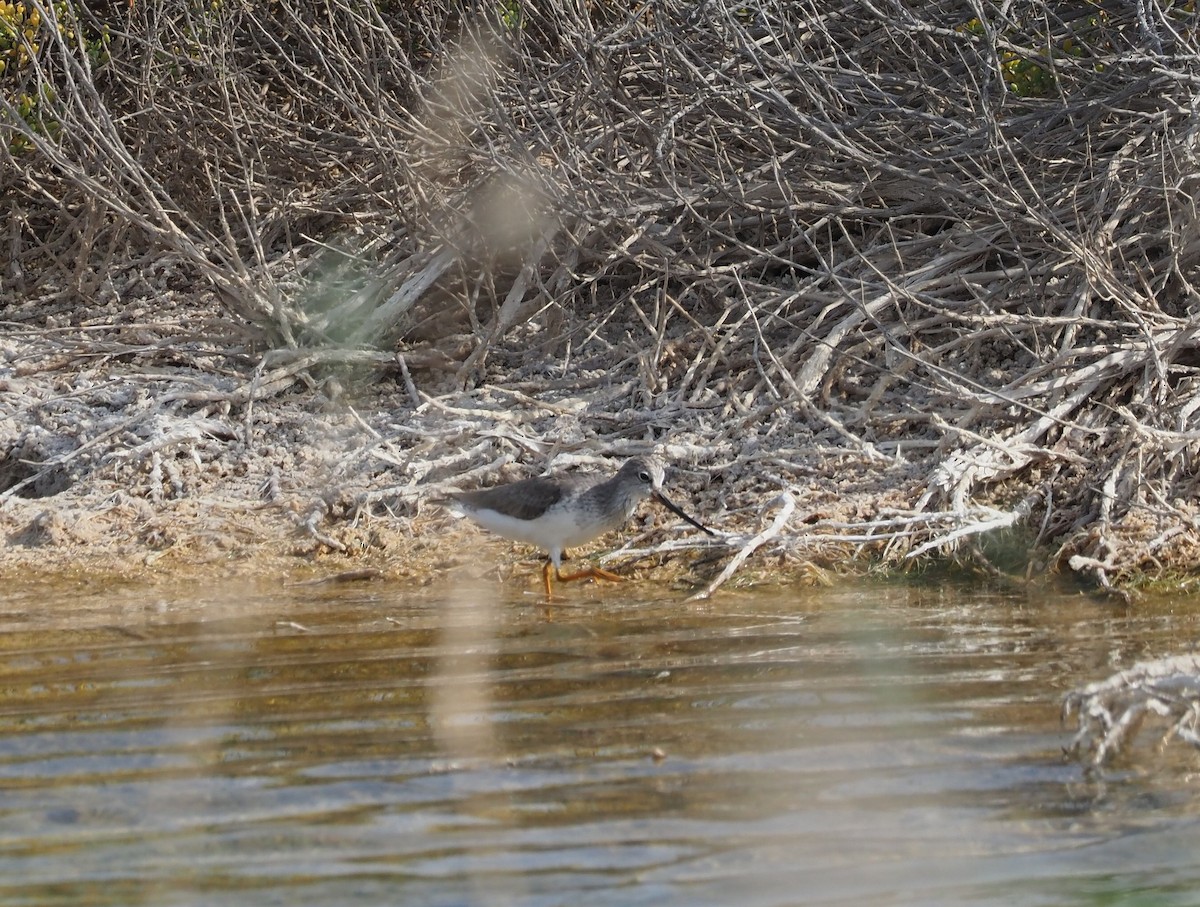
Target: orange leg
590	572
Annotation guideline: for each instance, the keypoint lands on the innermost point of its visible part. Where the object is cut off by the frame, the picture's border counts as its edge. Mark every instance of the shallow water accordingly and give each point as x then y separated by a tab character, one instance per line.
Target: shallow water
367	745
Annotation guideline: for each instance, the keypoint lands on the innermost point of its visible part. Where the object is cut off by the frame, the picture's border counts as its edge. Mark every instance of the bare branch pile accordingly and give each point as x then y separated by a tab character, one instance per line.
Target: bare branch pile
950	244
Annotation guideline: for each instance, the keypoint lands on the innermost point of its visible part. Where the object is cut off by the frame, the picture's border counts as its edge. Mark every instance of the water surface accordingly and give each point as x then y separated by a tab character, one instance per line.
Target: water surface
371	745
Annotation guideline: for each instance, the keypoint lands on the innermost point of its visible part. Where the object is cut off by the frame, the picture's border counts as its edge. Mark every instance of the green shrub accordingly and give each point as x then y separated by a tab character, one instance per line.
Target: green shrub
25	37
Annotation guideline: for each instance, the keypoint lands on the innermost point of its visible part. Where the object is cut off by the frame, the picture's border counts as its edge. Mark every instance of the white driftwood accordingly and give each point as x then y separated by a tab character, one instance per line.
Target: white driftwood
787	505
1111	712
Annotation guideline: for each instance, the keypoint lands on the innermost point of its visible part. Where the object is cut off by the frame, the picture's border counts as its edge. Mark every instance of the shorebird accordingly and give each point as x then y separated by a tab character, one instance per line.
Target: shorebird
558	512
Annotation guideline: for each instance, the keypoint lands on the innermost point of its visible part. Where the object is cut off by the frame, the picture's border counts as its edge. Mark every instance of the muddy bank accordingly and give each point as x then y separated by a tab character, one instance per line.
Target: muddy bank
134	449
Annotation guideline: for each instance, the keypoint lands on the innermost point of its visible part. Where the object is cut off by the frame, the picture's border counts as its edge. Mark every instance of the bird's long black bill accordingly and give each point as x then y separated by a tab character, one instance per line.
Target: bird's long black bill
662	499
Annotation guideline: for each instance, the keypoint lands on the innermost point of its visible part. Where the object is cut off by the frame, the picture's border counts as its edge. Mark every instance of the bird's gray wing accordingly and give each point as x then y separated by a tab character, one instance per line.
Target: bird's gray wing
524	500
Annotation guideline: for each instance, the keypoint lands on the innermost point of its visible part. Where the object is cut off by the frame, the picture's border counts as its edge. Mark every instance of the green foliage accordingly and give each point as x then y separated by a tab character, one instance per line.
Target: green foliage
510	14
1031	53
25	36
20	25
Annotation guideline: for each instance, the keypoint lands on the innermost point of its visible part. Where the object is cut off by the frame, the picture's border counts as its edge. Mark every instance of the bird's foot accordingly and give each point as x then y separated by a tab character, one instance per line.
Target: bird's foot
589	573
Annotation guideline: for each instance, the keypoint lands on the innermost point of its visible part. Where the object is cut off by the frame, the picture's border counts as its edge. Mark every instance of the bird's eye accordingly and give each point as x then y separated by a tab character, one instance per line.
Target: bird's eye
644	476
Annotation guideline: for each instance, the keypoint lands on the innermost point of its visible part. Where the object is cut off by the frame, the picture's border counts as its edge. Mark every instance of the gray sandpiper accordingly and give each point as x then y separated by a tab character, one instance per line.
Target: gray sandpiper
558	512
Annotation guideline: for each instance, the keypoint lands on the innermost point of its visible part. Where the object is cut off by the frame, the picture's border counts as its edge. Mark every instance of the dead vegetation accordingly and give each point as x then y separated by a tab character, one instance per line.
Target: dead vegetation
922	269
1112	712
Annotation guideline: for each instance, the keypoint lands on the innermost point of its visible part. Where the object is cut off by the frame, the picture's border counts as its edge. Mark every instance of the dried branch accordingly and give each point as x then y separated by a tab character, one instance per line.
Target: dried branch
866	227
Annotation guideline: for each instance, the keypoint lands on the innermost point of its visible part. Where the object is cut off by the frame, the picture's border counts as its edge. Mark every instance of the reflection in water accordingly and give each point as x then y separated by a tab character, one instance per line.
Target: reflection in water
874	745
